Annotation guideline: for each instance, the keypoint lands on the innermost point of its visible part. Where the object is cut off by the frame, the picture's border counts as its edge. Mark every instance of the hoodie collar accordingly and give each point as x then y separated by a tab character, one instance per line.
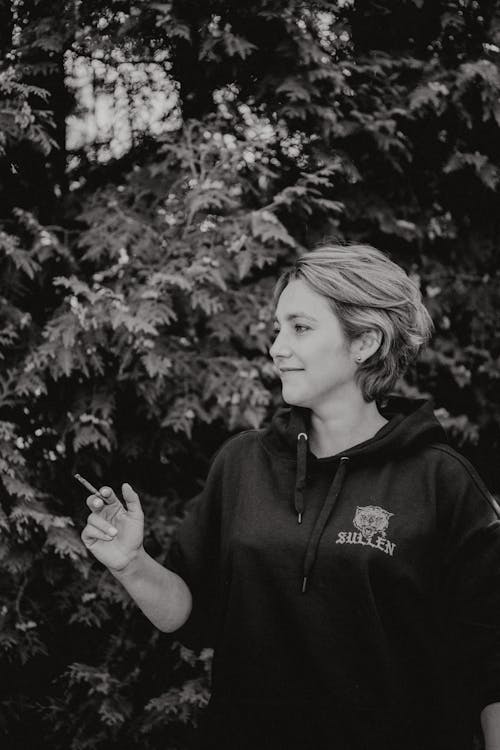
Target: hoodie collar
411	424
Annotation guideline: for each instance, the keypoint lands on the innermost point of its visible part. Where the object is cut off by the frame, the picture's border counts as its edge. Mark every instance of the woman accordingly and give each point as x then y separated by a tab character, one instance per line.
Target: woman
344	562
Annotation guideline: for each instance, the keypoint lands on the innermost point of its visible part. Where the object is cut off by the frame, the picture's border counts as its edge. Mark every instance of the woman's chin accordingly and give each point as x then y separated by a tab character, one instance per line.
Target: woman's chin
293	399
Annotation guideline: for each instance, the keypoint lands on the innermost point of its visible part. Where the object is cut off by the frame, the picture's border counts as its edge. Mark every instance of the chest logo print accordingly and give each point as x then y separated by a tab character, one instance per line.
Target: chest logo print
372	523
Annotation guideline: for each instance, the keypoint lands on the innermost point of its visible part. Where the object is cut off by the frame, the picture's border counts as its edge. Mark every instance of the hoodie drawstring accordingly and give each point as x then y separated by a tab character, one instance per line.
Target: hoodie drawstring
322	520
300	477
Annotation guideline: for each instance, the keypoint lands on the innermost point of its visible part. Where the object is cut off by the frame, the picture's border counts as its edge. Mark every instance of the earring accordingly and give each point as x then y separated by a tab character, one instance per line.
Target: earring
359	359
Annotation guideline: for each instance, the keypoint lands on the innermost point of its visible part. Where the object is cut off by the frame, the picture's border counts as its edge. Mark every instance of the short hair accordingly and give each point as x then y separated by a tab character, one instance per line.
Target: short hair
367	291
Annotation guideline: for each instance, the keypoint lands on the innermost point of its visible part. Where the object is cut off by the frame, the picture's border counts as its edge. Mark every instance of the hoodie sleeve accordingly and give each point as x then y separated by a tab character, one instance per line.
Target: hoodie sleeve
469	521
194	555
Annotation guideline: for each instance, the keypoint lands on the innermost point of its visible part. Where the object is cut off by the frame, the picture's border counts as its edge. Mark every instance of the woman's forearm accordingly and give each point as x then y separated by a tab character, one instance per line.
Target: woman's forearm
162	595
490	723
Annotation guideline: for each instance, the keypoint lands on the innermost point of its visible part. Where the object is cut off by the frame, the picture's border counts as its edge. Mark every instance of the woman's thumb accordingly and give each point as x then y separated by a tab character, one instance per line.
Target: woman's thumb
131	499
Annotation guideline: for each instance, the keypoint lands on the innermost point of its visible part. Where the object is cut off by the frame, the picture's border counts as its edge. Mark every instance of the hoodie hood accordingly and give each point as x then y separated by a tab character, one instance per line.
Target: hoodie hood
411	425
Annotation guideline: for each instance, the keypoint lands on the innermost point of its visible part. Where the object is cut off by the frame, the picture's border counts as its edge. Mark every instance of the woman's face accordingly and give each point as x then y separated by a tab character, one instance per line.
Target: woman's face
311	352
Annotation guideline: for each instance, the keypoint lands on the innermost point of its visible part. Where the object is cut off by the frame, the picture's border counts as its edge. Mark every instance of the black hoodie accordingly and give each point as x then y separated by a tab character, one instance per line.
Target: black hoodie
353	602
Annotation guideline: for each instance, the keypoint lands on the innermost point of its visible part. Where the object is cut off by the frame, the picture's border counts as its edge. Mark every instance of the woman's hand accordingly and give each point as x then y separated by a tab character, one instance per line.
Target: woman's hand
114	532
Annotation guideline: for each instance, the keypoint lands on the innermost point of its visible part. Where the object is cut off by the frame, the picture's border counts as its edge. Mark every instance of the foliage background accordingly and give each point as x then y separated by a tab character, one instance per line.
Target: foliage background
160	163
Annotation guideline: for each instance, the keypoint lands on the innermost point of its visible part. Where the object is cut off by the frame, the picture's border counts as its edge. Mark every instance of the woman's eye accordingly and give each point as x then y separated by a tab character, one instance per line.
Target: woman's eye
297	328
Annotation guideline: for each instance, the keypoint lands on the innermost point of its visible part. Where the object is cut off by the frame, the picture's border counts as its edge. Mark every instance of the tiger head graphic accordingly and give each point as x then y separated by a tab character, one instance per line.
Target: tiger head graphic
371	520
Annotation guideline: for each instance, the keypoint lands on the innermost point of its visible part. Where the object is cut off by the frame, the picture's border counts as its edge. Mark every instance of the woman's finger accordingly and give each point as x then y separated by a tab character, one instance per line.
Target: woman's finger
108	495
94	503
132	500
100	523
91	534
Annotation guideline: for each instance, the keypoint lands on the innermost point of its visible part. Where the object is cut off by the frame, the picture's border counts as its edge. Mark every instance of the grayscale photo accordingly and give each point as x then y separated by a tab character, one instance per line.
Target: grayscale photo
250	375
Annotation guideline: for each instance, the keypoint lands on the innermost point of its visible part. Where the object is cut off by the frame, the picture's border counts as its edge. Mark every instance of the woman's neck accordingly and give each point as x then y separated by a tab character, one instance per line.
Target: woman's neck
341	426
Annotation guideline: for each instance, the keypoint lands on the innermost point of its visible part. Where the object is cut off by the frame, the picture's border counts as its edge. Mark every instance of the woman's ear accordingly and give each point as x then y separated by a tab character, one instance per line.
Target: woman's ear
367	344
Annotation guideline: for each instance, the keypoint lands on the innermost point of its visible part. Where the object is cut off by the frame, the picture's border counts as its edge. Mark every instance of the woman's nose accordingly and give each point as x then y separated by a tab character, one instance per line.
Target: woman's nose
279	347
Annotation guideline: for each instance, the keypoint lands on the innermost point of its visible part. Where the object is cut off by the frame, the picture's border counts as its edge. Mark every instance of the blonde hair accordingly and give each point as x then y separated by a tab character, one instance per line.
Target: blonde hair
367	291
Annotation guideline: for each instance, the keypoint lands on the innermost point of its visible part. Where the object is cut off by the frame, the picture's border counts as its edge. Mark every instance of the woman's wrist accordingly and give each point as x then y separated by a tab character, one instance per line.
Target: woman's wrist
490	723
133	567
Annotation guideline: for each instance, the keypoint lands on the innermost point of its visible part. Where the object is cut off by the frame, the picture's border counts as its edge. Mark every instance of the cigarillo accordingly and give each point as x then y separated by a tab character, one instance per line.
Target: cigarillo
88	486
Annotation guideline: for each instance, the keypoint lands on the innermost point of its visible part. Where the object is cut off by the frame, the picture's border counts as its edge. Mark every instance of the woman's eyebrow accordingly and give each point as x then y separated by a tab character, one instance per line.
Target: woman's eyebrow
292	316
